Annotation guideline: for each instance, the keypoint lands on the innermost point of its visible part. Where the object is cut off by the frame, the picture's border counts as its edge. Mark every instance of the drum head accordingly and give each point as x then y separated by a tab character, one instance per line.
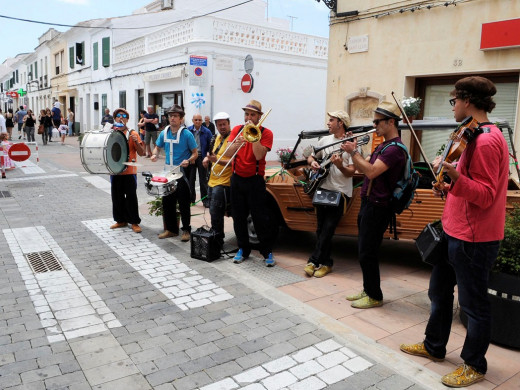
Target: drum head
117	152
104	152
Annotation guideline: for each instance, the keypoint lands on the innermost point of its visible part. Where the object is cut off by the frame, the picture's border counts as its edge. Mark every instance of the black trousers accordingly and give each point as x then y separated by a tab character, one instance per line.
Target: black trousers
203	182
328	218
124	198
182	196
248	196
372	223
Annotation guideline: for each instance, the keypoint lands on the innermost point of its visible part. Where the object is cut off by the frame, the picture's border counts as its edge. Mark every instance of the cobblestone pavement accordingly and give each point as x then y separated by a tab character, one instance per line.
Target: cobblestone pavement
86	307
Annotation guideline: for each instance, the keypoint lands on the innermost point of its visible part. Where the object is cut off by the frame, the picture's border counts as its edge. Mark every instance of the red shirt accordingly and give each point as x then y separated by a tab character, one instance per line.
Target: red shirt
476	204
132	152
244	164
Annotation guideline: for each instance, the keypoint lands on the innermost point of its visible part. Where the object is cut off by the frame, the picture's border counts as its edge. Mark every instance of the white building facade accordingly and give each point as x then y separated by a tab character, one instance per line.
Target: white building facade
197	62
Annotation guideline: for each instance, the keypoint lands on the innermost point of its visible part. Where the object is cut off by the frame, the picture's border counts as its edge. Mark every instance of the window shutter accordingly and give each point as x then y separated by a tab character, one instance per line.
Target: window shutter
71	57
105	44
95	51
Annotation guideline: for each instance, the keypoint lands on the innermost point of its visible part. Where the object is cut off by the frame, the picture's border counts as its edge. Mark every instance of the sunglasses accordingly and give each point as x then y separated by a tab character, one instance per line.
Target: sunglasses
376	121
121	116
453	101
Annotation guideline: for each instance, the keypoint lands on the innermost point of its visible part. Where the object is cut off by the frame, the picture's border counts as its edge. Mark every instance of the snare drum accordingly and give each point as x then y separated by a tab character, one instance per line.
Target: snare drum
163	187
104	152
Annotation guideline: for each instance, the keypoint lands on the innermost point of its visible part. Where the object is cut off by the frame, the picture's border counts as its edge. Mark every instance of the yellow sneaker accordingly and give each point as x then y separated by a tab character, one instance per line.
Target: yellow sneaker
463	376
322	271
309	269
357	296
418	350
366	303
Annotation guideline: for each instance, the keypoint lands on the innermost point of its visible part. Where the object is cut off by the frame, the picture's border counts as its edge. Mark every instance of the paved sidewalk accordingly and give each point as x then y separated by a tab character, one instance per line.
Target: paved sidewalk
131	311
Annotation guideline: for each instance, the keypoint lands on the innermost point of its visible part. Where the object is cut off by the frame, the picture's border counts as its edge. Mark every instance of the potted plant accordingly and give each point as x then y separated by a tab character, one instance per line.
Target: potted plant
504	286
411	107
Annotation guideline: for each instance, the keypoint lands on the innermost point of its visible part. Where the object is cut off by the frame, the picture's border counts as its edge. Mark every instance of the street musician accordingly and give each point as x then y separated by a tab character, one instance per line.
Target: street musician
249	144
337	177
219	192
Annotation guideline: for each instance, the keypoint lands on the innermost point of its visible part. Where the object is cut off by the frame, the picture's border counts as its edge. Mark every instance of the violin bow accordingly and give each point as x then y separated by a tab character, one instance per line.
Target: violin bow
414	134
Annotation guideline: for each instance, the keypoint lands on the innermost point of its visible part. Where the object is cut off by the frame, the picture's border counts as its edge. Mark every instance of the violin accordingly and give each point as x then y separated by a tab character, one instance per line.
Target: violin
467	131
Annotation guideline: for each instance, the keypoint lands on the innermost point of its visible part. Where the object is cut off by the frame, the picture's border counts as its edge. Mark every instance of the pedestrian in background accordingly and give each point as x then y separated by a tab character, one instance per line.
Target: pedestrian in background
63	129
9	123
151	120
18	117
48	124
107	118
141	125
29	121
70	121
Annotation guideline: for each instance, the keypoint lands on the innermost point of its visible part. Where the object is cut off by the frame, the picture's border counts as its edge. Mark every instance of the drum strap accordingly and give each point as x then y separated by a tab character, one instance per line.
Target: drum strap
172	141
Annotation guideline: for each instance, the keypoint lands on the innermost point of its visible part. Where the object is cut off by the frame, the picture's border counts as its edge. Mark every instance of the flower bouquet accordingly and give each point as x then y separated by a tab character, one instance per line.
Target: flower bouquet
411	106
284	155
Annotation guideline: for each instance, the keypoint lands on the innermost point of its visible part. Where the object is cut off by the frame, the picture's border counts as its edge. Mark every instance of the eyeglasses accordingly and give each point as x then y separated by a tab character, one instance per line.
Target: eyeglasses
453	101
376	121
121	116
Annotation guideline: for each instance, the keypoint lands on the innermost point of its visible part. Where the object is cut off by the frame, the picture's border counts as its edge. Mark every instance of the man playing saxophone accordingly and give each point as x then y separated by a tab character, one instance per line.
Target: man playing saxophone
248	193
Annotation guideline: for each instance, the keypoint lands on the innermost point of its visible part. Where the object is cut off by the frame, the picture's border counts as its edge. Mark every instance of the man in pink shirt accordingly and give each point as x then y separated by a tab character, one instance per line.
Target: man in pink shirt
473	224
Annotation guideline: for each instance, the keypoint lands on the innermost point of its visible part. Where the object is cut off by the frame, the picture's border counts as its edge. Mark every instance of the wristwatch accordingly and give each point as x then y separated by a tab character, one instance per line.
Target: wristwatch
353	152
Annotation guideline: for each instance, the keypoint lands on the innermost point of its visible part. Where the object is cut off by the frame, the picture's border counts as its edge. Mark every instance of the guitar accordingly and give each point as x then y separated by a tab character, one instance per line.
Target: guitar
317	176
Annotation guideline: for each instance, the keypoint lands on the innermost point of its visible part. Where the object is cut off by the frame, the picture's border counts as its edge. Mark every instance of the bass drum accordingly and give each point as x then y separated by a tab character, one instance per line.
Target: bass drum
104	152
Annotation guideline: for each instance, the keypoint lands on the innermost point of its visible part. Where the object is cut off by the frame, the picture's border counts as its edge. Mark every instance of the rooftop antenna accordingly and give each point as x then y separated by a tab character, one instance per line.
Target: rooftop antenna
292	20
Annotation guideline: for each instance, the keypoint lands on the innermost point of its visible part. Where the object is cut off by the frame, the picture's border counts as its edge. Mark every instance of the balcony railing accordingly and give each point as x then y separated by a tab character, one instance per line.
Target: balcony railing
223	31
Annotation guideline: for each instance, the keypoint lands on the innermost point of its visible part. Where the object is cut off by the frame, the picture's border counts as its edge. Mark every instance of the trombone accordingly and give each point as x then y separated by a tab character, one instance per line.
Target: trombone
251	133
319	149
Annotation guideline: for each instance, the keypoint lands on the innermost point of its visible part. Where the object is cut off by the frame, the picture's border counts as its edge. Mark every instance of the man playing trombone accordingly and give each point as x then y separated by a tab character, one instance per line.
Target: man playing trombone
181	152
250	144
339	179
219	192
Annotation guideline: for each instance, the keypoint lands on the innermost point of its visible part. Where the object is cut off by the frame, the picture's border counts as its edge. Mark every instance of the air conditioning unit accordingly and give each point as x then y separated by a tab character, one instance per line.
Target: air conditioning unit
166	4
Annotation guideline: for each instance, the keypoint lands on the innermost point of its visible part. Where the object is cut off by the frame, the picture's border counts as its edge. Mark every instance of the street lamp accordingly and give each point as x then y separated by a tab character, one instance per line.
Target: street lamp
31	82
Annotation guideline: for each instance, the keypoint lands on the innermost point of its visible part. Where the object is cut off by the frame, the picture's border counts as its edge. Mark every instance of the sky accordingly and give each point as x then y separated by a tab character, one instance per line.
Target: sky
308	17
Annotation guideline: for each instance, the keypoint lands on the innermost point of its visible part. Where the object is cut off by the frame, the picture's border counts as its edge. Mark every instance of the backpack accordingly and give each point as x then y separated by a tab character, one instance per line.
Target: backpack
404	191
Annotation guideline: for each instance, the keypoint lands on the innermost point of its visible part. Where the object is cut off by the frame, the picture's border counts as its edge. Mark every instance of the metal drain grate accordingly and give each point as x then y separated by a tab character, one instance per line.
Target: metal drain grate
41	262
5	194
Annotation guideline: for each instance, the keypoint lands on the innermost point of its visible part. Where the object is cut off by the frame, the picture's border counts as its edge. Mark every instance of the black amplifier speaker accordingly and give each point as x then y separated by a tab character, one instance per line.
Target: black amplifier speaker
204	245
326	198
431	246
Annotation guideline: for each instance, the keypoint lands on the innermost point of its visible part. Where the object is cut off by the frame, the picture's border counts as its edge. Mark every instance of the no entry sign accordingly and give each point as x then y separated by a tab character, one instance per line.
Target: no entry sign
19	152
247	83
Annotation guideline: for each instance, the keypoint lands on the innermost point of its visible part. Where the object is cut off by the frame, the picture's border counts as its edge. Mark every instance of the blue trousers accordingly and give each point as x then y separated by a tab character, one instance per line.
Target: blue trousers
468	267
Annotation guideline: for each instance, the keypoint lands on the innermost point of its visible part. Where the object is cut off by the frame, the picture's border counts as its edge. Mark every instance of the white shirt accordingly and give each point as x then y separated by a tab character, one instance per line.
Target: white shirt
335	180
3	129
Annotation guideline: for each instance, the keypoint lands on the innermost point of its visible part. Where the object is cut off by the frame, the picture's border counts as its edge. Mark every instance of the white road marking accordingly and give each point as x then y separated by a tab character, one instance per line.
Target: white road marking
28	167
99	182
67	305
185	287
314	367
42	177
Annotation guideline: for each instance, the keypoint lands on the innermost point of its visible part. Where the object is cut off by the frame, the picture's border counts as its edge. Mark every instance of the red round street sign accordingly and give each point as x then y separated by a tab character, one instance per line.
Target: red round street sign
247	83
19	152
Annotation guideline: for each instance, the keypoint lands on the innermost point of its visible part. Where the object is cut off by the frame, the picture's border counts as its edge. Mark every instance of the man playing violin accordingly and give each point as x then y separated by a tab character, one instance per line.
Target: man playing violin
248	192
339	178
473	223
382	172
123	186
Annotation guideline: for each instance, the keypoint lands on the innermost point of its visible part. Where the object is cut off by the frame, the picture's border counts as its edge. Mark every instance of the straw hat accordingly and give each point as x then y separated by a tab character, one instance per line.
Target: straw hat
342	116
254	105
389	110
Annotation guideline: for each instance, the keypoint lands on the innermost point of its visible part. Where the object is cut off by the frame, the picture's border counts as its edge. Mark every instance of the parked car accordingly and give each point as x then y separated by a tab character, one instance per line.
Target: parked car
290	206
